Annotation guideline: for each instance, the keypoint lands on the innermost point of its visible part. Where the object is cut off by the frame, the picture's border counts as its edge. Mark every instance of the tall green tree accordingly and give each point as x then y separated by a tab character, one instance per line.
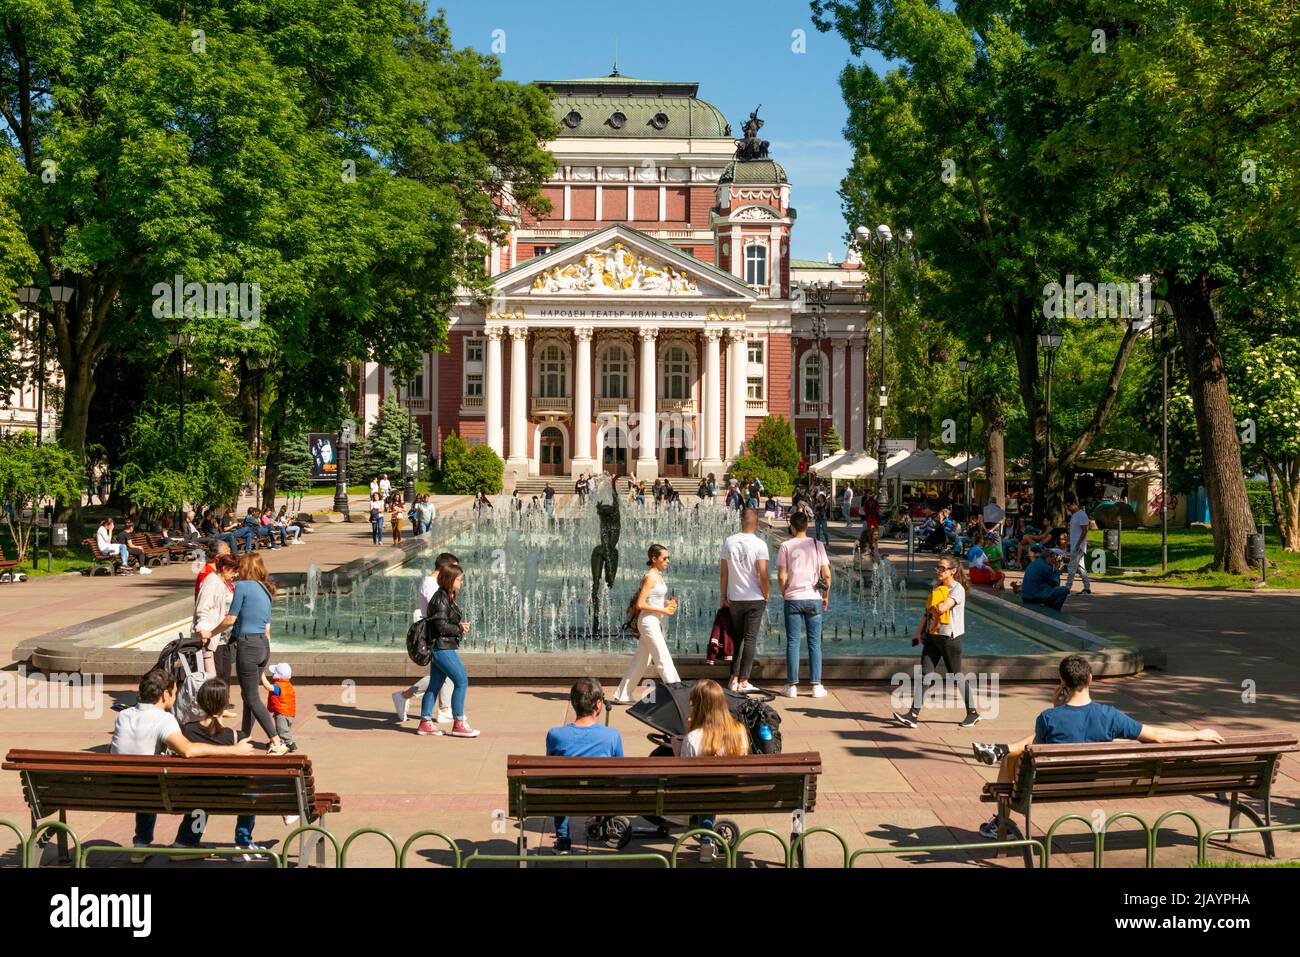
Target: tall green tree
774	445
165	468
32	476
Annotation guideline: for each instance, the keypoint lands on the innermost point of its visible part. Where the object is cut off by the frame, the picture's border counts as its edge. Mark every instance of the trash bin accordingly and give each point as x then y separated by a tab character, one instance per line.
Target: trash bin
1111	539
1255	548
59	532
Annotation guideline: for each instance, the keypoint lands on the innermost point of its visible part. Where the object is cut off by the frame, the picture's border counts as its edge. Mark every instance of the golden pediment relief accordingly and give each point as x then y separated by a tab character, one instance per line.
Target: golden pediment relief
615	269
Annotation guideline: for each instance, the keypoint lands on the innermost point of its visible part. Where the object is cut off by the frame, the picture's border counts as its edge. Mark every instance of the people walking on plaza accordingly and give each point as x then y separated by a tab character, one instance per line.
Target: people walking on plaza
149	728
548	500
385	486
481	501
580	489
250	619
846	503
1078	560
445	630
376	519
586	736
939	632
213	698
214	592
821	516
1075	718
281	701
711	732
424	593
396	514
744	590
650	605
804	573
374	486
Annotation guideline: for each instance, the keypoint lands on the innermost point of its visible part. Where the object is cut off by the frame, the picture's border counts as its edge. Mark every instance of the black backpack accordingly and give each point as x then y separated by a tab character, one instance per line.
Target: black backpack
418	648
754	714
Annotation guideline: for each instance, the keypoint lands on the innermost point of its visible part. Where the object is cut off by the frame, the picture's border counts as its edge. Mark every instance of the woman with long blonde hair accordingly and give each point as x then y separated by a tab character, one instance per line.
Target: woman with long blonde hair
711	731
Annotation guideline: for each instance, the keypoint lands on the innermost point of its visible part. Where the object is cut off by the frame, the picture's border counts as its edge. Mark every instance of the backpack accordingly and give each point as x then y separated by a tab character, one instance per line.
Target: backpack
175	660
418	648
754	714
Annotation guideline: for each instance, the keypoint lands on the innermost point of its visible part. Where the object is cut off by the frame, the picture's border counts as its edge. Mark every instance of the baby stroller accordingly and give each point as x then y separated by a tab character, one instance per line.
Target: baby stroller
666	710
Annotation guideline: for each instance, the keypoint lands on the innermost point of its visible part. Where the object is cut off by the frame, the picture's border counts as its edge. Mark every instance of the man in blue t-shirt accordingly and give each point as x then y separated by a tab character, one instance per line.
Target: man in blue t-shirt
584	737
1075	718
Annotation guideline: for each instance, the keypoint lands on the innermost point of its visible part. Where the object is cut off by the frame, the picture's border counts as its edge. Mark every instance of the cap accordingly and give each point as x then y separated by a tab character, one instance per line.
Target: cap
282	671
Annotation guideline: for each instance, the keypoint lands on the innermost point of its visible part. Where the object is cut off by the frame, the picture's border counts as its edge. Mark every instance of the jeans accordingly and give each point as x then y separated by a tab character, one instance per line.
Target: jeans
144	824
445	665
821	530
284	728
252	652
123	554
377	531
1078	563
963	543
1053	599
187	836
243	532
746	620
807	611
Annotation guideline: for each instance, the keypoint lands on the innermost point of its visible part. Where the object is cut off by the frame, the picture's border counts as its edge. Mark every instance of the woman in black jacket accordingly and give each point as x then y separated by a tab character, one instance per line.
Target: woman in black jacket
444	629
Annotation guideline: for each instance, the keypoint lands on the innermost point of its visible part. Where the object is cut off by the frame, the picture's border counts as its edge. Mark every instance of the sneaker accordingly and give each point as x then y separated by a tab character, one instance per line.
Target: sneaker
970	720
146	570
708	852
140	858
1086	591
989	753
989	829
563	845
906	718
428	727
444	716
276	750
248	858
290	820
400	701
461	729
818	691
746	688
790	691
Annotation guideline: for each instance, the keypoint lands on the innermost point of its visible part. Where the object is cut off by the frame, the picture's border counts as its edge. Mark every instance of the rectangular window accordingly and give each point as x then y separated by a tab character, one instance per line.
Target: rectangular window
541	250
754	388
473	350
755	353
416	389
474	386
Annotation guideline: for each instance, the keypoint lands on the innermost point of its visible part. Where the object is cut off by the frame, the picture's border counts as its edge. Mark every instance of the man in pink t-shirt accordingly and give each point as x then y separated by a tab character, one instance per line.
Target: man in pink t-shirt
804	574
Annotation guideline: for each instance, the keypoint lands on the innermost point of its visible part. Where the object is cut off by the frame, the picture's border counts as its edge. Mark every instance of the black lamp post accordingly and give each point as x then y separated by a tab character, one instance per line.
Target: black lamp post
408	493
887	246
819	295
341	470
964	365
1050	340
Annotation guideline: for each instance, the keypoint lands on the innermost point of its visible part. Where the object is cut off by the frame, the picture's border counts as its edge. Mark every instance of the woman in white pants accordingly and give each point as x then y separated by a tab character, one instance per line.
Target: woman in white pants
651	646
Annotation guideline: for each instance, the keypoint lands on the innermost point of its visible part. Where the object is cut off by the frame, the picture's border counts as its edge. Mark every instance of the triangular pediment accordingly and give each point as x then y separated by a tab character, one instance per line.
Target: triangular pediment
620	262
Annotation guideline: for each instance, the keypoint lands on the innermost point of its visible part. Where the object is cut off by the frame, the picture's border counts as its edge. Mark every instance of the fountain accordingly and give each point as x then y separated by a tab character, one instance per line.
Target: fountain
313	587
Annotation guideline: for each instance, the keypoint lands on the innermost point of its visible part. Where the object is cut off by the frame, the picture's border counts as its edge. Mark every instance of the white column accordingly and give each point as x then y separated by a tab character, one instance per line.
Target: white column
631	195
835	391
647	460
737	367
567	200
857	410
600	212
518	461
711	441
737	261
663	203
494	391
581	459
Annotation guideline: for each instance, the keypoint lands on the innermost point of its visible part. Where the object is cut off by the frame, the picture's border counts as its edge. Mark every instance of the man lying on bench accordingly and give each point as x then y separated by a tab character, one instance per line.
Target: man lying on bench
1075	718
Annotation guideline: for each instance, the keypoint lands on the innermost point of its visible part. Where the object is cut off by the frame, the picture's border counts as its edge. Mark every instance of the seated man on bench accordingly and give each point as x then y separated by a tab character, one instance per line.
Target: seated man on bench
1075	718
150	728
584	737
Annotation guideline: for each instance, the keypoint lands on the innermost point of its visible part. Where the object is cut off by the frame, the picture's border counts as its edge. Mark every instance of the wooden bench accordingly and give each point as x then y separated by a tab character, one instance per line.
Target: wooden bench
153	554
7	567
1244	765
62	781
176	550
100	561
541	786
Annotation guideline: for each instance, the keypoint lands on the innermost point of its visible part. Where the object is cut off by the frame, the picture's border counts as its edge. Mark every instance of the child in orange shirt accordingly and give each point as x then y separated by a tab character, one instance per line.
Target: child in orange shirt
282	702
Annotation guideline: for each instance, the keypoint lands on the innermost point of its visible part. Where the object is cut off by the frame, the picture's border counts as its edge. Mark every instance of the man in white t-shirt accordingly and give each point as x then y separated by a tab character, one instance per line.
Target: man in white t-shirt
1078	559
428	587
994	516
385	486
744	591
846	503
804	573
150	728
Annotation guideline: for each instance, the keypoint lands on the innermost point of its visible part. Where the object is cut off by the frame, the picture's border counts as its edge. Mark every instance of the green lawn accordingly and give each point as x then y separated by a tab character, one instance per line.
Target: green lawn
72	559
433	488
1189	550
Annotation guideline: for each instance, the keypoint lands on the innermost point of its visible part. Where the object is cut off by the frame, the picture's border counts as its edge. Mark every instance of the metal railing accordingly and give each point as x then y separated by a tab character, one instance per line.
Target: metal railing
791	852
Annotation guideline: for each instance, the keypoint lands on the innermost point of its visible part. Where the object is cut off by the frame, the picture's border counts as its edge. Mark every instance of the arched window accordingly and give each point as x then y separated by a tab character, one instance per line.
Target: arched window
756	265
552	371
812	374
676	383
614	373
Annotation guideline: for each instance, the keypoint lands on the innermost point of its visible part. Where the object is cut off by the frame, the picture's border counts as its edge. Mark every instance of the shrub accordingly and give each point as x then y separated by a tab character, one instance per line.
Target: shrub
478	467
775	446
775	481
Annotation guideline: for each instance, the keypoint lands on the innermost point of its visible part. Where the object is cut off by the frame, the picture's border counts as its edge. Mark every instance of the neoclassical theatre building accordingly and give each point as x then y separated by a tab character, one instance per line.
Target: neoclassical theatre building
655	316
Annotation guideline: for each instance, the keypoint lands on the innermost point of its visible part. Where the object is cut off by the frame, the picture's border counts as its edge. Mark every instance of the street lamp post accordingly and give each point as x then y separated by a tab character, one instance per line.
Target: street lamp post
1050	340
964	365
408	494
341	470
180	342
887	245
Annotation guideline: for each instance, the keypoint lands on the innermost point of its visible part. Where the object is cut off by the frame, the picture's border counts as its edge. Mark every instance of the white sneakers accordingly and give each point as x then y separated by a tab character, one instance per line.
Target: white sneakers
400	701
818	691
444	716
790	691
146	570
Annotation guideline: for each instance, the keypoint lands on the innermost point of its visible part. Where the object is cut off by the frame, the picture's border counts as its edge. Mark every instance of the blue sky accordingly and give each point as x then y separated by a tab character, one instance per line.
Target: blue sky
740	53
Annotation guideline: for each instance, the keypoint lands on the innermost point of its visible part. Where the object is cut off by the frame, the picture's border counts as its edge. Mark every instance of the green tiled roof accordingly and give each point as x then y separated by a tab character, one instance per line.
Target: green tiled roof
649	109
754	173
812	264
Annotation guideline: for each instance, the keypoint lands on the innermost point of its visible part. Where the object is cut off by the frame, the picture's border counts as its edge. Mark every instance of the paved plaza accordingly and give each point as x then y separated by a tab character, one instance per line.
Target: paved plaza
1231	664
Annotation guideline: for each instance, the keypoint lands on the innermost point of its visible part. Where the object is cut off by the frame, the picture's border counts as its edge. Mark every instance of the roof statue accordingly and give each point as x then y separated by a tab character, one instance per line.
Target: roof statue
751	147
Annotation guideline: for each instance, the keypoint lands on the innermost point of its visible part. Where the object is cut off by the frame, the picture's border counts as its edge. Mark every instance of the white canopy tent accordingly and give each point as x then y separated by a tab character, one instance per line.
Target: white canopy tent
923	465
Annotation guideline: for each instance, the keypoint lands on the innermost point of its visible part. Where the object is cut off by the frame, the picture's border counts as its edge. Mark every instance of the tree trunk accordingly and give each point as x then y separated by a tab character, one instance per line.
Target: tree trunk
1285	491
1024	342
78	390
924	428
271	476
995	455
1225	481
